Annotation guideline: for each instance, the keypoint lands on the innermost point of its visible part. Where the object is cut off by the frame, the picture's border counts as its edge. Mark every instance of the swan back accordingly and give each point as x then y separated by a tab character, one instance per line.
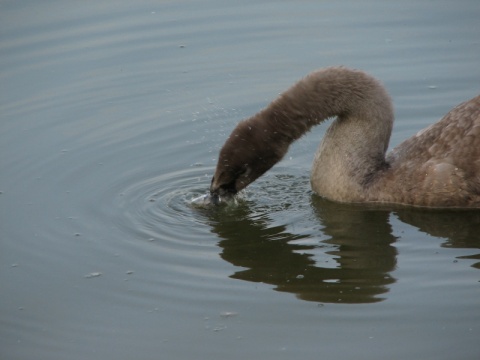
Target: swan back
440	165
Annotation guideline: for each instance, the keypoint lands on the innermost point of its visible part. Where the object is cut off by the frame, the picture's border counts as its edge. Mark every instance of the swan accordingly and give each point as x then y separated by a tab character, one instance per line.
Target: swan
438	167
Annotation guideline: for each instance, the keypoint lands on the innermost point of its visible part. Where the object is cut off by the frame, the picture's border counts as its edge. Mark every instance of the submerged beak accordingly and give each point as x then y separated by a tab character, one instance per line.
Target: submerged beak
219	197
206	200
214	198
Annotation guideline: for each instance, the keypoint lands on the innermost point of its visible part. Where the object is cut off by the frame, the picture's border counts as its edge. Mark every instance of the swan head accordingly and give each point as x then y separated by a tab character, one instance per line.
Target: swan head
229	180
234	173
247	154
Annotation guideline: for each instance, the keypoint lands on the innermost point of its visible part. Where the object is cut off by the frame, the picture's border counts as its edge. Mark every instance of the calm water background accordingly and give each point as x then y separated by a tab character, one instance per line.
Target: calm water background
112	115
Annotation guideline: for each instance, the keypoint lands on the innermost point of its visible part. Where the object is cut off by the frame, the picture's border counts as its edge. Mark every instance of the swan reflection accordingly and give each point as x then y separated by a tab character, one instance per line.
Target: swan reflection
348	257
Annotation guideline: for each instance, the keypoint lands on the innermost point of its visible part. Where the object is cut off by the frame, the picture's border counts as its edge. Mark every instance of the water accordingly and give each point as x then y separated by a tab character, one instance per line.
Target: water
112	115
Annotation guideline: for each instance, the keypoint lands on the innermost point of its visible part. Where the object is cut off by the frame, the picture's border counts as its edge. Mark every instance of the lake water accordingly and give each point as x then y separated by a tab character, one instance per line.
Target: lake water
112	115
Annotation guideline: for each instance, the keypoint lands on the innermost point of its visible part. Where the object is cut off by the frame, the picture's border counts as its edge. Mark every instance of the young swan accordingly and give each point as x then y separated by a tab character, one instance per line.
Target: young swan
438	167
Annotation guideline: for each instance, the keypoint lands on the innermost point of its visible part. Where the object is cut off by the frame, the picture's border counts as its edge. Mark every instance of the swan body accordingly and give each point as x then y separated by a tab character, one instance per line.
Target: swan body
437	167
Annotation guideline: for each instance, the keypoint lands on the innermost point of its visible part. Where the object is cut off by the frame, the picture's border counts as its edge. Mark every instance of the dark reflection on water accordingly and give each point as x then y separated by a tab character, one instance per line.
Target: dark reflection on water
360	243
358	238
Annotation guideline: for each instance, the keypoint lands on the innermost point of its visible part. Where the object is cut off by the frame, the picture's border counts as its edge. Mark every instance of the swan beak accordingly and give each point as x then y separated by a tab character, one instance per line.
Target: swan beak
217	197
214	198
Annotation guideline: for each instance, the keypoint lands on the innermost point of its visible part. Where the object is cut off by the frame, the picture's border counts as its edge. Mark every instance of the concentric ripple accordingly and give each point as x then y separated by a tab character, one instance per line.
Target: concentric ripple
160	204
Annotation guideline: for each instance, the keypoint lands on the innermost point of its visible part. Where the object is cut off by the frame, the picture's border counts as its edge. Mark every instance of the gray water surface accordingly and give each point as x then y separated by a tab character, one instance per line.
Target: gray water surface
112	115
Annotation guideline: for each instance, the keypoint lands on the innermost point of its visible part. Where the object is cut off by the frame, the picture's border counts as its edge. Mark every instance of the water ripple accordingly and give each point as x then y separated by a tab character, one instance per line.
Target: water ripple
163	199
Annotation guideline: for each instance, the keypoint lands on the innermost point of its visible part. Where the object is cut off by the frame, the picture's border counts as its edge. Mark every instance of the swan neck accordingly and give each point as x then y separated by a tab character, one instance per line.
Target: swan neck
349	95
